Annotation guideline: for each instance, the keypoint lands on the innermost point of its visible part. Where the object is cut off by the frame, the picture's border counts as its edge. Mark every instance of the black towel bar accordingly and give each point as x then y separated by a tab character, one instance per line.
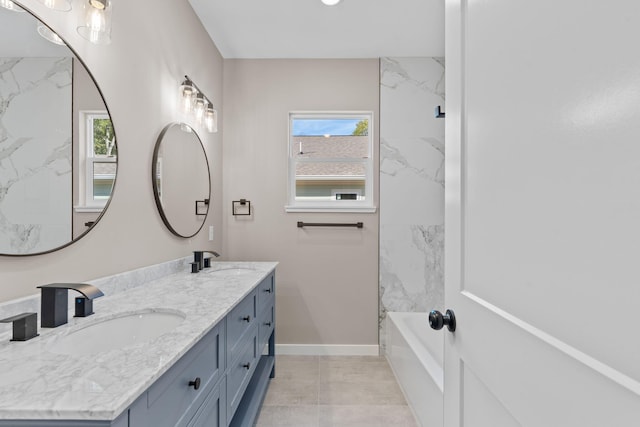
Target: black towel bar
330	224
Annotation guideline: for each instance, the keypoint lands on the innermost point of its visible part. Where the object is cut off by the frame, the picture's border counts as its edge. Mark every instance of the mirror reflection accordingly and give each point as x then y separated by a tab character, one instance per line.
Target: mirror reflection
181	179
58	154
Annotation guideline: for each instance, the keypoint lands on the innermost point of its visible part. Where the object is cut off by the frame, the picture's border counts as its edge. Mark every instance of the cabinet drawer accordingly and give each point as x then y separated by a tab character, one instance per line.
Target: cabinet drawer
171	400
266	292
266	323
212	412
239	321
239	374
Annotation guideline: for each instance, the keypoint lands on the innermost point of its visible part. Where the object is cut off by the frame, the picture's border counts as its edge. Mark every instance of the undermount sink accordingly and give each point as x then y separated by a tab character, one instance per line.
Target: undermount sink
117	332
233	271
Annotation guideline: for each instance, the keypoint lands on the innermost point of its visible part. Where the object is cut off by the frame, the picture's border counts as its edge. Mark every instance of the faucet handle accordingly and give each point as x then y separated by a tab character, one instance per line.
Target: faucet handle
25	326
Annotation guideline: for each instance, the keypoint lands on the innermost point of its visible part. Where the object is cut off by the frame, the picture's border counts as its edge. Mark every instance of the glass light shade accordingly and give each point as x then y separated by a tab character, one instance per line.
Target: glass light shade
330	2
49	35
186	93
199	107
211	119
95	21
8	4
61	5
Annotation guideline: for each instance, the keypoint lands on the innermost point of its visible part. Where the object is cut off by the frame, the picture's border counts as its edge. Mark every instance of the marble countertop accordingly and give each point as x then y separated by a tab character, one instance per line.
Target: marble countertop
36	383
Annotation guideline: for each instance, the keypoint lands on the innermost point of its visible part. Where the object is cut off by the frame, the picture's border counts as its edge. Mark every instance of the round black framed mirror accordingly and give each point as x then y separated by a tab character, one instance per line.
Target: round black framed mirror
58	152
181	179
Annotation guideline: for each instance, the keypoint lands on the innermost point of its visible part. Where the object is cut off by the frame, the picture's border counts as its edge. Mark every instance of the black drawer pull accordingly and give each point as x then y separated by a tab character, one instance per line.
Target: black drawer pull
268	290
247	366
267	323
247	319
195	384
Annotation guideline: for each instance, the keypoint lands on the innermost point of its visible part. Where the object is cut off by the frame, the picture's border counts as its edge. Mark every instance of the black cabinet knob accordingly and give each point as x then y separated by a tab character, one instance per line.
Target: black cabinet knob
437	320
195	384
247	366
267	323
268	290
247	319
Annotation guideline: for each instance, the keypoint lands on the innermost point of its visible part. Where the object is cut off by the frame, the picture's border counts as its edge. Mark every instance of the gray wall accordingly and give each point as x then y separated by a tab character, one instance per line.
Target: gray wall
327	277
138	74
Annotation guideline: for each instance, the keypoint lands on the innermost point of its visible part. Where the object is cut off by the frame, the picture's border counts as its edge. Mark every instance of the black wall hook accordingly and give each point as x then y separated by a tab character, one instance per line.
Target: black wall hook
439	113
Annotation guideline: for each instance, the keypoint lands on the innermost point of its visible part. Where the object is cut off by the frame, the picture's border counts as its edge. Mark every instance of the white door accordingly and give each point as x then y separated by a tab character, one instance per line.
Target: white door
543	213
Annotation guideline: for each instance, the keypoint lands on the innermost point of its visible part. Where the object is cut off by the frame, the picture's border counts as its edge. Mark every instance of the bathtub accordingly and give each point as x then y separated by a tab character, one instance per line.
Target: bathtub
415	353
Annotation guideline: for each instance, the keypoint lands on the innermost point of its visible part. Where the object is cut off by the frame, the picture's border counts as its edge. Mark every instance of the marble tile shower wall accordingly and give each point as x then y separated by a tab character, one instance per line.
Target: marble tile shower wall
35	161
411	186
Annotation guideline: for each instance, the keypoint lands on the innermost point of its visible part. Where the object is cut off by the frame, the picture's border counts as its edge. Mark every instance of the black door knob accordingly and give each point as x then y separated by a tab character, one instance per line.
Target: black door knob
437	320
195	384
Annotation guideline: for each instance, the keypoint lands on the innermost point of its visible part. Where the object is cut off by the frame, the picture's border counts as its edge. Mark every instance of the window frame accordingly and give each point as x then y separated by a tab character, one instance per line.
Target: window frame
88	159
367	205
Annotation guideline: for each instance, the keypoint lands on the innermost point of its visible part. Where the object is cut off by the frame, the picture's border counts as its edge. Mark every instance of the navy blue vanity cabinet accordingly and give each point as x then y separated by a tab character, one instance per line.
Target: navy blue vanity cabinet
246	390
242	349
220	382
189	389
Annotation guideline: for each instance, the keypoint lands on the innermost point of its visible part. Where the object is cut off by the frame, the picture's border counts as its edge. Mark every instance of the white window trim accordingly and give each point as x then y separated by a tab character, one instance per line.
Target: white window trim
87	203
338	206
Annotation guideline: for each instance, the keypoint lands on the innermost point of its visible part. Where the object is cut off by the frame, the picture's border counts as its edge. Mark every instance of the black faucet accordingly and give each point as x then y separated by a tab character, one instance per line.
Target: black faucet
54	302
200	262
25	326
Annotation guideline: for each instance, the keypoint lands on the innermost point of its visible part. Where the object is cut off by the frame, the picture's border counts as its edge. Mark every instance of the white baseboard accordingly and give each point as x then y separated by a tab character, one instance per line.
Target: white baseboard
327	350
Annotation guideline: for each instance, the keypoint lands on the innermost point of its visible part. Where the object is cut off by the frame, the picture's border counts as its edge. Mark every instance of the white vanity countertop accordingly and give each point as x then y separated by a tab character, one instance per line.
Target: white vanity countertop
38	384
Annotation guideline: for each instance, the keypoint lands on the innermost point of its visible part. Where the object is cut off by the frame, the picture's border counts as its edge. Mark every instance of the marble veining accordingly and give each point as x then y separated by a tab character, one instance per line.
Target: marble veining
35	161
411	186
36	383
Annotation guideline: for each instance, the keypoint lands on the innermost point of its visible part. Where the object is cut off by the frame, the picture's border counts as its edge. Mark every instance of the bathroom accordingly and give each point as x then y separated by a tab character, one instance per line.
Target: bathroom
334	285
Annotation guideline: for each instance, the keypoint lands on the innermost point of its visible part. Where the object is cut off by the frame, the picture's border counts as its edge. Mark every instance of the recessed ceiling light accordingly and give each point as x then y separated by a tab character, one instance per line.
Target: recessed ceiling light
330	2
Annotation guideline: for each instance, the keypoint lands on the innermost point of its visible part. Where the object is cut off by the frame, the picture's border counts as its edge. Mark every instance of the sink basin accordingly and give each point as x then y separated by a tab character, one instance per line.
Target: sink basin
117	332
233	271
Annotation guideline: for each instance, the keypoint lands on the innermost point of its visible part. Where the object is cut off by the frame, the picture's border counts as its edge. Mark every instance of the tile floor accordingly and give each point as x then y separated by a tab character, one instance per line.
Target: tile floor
336	391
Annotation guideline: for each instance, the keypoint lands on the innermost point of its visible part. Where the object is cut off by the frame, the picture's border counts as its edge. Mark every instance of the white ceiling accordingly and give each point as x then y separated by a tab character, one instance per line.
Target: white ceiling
309	29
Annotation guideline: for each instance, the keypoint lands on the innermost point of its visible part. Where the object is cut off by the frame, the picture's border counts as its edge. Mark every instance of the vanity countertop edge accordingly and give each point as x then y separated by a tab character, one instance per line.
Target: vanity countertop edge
37	384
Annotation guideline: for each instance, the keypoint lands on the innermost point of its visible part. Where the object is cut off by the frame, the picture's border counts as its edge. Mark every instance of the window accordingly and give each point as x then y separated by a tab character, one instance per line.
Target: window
98	157
330	162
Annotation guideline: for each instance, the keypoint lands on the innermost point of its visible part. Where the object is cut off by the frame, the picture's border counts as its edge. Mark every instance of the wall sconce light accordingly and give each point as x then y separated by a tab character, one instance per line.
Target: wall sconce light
9	5
193	100
49	35
94	21
199	107
211	119
186	92
61	5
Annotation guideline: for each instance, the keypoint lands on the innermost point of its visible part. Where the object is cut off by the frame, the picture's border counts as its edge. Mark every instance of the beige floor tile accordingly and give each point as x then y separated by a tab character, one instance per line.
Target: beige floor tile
351	391
299	368
284	392
361	393
288	416
366	416
355	369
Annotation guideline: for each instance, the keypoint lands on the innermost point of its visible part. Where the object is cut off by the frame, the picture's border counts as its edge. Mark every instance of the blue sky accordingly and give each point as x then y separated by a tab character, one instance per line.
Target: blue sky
314	127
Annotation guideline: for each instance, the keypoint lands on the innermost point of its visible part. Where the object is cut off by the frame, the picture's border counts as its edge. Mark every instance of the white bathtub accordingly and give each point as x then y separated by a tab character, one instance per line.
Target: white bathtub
415	353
